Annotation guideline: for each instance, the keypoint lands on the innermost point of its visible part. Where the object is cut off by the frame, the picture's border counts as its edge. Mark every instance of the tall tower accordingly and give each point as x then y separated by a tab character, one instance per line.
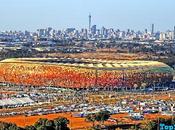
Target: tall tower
174	33
152	29
90	22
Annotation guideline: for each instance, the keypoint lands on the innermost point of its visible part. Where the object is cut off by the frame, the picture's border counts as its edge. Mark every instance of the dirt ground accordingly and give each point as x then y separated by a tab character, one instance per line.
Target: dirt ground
76	123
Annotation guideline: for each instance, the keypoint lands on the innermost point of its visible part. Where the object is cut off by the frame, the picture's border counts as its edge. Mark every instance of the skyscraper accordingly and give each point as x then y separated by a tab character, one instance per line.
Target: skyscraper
146	31
90	22
152	29
174	32
94	29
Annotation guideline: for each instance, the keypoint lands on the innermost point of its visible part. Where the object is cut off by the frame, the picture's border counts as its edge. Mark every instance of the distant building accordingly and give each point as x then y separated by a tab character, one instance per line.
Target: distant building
162	36
174	32
41	32
69	30
146	31
90	18
170	35
94	29
152	29
104	32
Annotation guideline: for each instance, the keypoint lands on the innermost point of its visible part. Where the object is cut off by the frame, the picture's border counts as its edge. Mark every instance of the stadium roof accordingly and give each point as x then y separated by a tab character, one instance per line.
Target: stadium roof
150	66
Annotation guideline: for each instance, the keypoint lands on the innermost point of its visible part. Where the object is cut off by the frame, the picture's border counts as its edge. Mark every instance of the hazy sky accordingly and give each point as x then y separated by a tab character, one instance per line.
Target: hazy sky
60	14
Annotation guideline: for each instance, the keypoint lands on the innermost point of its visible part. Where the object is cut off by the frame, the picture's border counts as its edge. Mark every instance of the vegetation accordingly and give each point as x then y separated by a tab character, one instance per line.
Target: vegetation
149	125
91	118
9	126
153	125
42	124
102	116
98	117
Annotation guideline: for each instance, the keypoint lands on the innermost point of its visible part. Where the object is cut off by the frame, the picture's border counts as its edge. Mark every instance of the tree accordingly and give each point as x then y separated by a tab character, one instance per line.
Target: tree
42	128
61	123
97	127
30	128
3	125
102	116
9	126
50	124
40	122
14	127
91	118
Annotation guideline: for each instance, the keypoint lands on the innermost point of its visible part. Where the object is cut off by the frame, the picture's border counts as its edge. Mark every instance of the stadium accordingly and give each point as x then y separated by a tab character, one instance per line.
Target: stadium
82	73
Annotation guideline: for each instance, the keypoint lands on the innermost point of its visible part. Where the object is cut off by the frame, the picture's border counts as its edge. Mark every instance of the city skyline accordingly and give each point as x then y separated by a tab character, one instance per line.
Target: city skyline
31	15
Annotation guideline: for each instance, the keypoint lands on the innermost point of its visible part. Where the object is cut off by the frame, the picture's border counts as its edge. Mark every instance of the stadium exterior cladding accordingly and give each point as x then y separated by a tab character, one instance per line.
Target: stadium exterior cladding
83	73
